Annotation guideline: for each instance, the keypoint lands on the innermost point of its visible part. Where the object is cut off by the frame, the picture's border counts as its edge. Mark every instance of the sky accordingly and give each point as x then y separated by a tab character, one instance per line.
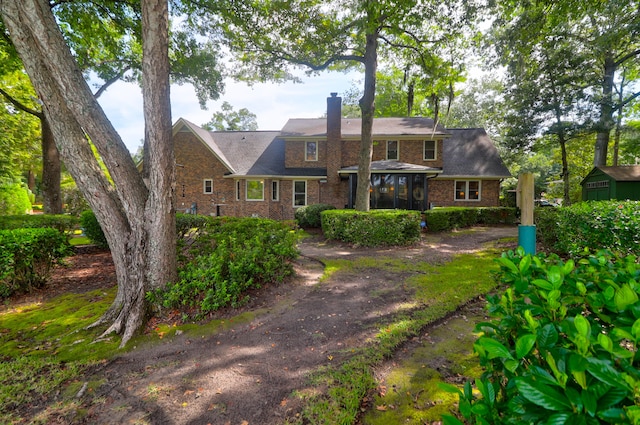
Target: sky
273	104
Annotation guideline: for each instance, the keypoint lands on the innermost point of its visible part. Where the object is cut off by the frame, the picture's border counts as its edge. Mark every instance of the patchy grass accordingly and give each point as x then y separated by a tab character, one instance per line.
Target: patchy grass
411	393
440	290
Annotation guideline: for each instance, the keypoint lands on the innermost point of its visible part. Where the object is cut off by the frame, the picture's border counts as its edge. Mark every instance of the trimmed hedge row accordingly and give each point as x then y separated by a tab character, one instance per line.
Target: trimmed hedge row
448	218
27	257
310	215
612	225
373	228
61	222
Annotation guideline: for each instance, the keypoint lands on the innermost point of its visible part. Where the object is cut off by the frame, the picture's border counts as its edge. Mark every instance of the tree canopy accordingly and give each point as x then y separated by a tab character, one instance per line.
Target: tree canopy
269	38
229	120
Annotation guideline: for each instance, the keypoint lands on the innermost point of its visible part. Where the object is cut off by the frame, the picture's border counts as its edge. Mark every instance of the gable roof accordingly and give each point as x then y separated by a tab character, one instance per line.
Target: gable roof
206	138
622	173
469	152
351	127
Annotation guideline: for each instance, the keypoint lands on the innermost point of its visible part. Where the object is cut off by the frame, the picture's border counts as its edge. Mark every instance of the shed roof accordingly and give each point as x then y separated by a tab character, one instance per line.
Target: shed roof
621	173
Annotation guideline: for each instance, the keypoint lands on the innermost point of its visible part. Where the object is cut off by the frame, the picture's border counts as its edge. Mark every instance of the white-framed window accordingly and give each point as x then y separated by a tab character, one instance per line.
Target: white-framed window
430	150
207	186
467	190
255	190
393	150
237	190
299	193
311	151
275	190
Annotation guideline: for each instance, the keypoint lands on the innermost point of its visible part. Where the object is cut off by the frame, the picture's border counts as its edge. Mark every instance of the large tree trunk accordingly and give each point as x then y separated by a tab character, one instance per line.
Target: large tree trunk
160	168
124	210
367	106
605	123
52	199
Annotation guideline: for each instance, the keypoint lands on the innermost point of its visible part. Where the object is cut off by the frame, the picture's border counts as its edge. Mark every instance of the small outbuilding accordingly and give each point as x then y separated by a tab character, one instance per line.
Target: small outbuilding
603	183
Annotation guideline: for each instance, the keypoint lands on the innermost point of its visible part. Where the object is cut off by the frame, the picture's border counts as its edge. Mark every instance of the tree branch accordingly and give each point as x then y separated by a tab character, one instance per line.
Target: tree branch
110	81
628	56
15	102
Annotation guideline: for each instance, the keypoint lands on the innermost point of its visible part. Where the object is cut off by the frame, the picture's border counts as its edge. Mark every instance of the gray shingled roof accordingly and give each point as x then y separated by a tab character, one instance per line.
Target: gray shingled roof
351	127
469	152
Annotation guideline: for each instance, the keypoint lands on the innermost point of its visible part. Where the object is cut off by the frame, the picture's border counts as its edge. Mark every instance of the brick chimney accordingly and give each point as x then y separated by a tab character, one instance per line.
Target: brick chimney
334	142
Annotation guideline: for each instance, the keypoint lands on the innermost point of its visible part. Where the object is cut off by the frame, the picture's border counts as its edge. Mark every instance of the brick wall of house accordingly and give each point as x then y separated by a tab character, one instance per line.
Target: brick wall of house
194	163
441	194
295	151
411	152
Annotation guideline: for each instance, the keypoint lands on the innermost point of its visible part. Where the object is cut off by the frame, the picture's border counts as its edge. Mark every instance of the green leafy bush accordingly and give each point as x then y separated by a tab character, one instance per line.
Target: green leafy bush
309	215
612	225
27	257
448	218
14	199
563	347
63	223
227	258
373	228
92	229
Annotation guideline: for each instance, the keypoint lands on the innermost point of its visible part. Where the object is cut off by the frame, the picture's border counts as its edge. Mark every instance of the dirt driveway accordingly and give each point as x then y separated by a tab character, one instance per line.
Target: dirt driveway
247	373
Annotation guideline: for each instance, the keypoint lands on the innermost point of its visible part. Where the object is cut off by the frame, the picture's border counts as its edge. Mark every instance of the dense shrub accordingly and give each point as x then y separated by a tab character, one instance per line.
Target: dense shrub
309	215
612	225
227	258
14	199
92	229
563	347
27	257
63	223
373	228
448	218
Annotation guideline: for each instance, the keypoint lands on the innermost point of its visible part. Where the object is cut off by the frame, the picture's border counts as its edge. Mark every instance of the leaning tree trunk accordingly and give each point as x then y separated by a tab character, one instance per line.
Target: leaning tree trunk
125	210
51	169
367	106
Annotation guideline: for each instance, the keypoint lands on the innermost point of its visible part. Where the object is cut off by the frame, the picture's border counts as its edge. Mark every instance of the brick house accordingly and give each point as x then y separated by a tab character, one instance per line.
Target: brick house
415	165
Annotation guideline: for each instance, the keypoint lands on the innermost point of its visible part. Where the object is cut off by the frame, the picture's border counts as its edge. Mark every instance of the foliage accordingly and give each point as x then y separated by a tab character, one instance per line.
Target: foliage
27	257
74	201
447	218
373	228
92	229
227	259
14	199
611	225
309	215
566	70
229	120
63	223
563	347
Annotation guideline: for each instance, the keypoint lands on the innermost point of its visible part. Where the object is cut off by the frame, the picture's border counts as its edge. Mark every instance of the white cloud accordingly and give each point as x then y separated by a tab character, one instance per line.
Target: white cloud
273	104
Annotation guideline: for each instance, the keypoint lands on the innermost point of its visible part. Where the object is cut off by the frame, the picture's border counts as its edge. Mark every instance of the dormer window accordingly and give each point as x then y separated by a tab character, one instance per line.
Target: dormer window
392	150
311	151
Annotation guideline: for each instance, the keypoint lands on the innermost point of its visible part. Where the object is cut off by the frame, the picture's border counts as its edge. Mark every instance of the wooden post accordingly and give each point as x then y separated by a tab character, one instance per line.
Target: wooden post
526	230
526	184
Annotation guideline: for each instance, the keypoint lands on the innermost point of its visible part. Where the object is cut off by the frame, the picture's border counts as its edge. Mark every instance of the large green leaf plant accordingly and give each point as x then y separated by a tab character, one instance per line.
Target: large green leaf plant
563	346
